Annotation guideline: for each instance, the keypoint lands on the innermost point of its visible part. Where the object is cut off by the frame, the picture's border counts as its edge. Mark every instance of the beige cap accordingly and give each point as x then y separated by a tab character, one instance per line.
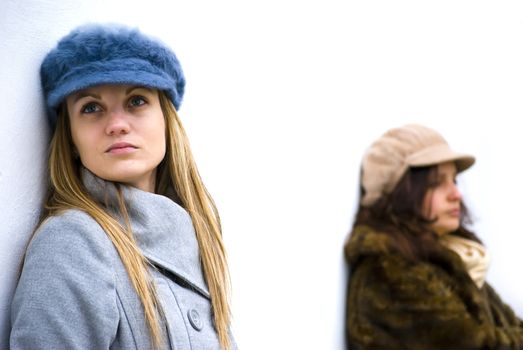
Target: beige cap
389	157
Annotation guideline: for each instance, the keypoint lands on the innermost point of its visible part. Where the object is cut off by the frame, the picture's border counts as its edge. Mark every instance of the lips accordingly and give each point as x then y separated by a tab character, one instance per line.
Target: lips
454	212
120	147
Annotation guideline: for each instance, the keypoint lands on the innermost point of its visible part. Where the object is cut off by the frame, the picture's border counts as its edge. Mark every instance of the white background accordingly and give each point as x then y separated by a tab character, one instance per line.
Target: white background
282	99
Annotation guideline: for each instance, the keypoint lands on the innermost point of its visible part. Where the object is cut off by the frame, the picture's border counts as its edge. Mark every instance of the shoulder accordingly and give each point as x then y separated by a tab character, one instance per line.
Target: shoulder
71	231
391	279
378	250
390	286
68	274
63	223
70	248
70	242
369	244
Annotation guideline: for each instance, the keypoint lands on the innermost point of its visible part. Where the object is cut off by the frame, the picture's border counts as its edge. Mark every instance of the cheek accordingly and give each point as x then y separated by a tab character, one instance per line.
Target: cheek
153	136
84	140
161	146
76	137
159	136
427	206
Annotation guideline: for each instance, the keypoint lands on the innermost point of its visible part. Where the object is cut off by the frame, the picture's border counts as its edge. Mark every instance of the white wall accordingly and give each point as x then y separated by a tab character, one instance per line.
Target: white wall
282	99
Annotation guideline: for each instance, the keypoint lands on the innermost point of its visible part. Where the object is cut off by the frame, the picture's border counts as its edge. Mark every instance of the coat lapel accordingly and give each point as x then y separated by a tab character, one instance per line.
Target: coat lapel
163	230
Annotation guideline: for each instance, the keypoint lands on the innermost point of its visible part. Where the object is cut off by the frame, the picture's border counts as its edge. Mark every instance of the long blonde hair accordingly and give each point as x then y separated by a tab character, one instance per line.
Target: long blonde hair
177	170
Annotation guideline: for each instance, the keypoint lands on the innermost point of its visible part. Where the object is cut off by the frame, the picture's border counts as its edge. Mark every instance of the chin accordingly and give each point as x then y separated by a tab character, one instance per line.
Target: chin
451	228
442	230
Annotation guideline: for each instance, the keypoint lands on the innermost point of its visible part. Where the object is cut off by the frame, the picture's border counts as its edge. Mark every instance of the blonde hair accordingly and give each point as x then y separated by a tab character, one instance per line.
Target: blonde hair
177	170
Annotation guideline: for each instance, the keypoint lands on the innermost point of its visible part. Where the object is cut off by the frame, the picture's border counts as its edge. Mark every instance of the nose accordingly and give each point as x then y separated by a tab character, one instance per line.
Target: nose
117	123
455	193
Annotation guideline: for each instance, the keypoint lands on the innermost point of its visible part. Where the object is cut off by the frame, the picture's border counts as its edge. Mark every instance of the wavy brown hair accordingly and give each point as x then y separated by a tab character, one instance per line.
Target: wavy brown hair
399	214
178	171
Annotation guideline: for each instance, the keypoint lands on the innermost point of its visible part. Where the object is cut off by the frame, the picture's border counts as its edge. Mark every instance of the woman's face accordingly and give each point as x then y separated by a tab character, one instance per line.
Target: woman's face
442	202
119	132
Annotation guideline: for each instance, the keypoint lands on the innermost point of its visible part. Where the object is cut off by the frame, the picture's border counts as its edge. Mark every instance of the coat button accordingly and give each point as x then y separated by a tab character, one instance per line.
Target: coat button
195	319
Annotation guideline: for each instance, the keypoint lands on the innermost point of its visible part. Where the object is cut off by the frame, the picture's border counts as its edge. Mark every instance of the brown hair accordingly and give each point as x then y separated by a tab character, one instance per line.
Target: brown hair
177	170
399	214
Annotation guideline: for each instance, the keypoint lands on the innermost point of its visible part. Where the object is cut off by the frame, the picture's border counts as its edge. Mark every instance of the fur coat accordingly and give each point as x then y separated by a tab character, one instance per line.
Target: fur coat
394	303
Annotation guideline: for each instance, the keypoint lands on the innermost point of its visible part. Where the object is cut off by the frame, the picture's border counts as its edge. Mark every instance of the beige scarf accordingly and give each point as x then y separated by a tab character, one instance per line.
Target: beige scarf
473	254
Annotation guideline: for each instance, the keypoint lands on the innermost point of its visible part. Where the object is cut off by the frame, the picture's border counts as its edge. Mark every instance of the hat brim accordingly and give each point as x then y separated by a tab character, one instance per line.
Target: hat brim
123	77
441	154
130	72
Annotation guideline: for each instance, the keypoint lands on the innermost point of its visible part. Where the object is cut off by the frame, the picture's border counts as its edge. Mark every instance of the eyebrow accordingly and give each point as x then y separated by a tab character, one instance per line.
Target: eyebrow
129	90
82	94
452	175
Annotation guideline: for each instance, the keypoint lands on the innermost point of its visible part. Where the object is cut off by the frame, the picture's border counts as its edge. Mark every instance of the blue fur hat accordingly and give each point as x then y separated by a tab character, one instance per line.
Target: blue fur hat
97	54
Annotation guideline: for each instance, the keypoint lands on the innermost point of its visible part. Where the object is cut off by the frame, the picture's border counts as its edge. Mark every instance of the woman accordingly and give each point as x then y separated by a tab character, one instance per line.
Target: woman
128	253
417	274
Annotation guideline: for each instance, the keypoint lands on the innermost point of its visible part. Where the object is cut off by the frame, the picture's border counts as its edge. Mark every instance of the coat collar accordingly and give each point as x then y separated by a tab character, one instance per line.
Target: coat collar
365	241
163	230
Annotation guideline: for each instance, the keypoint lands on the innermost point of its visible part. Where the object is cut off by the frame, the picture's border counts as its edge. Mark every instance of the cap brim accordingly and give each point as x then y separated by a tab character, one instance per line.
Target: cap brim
85	79
441	154
146	79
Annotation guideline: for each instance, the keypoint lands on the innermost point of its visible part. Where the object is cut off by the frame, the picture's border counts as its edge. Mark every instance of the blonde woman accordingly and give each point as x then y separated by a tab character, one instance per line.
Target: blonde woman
129	253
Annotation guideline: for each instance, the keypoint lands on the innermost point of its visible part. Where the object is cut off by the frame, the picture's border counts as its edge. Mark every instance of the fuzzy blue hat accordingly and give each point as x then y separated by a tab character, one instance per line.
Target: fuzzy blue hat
97	54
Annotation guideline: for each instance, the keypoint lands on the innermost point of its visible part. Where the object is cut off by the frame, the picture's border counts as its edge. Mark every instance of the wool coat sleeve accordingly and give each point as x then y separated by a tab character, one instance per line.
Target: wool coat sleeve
396	304
66	297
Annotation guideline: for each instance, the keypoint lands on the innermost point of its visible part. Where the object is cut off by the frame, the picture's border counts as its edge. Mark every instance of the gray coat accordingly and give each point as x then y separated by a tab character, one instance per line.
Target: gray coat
74	292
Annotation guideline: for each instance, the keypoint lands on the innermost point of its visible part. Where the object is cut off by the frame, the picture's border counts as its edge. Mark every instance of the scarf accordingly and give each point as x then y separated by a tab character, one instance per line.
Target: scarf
474	256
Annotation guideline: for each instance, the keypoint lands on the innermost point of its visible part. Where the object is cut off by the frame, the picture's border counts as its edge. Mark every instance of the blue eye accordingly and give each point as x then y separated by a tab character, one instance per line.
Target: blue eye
90	108
137	101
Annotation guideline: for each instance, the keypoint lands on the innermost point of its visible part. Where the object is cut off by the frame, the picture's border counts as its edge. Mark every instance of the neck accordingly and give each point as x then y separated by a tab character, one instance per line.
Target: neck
147	184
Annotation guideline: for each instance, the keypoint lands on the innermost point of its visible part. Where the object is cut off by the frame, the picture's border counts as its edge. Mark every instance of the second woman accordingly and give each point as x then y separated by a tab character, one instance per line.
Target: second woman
417	273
